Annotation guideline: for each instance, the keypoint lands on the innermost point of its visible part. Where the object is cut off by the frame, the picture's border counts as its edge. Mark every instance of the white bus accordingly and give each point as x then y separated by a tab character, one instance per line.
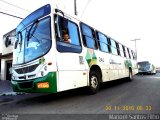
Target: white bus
44	62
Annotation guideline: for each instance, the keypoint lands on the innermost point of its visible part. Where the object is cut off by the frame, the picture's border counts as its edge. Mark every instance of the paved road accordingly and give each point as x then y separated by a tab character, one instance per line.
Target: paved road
141	96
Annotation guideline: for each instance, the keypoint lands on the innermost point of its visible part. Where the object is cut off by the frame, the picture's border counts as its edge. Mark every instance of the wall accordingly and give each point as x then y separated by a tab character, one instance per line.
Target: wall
3	68
7	50
8	41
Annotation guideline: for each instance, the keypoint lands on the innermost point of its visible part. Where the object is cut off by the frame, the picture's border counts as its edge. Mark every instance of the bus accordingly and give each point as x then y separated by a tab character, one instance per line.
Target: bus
145	67
44	62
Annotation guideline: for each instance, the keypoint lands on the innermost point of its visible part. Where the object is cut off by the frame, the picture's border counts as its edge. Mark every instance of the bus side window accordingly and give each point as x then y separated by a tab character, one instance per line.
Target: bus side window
124	51
68	39
113	47
128	53
118	50
121	50
89	36
134	55
68	31
109	44
102	42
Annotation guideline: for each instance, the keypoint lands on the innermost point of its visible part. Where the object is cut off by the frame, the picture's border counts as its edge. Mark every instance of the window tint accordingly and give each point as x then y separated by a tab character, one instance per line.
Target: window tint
88	36
102	38
87	31
39	13
103	42
67	35
124	51
128	53
118	51
39	39
113	43
89	42
134	55
113	47
121	50
73	33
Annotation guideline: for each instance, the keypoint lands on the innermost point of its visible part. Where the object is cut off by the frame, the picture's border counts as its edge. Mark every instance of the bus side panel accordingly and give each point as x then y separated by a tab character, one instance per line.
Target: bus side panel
72	72
115	67
121	69
71	79
134	68
103	63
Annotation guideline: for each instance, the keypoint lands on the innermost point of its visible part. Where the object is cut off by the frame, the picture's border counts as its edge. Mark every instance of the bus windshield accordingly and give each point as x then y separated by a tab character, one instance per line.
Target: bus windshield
33	42
143	64
33	36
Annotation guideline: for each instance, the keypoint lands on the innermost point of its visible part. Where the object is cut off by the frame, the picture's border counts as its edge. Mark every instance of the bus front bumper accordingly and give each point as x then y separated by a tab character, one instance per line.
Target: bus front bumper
46	84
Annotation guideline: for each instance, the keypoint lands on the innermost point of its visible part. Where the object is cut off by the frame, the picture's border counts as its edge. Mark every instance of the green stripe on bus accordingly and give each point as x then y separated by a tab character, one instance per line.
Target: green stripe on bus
91	57
51	78
128	63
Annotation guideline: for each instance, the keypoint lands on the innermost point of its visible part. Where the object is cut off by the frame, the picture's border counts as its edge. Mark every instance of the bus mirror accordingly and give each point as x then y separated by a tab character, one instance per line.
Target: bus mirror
57	27
57	10
7	41
16	44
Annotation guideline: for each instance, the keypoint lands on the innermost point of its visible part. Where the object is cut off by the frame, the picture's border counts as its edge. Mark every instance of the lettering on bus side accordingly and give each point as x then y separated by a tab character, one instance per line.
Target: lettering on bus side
101	59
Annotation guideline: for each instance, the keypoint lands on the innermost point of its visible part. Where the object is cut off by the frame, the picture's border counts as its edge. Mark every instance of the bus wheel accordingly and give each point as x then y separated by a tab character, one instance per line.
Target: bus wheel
93	82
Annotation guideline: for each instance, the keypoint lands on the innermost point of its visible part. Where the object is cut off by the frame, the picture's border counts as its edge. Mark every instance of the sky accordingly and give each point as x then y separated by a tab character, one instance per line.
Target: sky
123	20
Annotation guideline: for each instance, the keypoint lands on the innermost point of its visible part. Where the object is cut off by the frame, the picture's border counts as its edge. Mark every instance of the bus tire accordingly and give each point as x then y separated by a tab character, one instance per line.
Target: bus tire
130	77
94	82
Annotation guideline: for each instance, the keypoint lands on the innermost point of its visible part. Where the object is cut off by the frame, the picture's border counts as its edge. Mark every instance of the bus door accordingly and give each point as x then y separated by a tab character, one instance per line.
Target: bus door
70	61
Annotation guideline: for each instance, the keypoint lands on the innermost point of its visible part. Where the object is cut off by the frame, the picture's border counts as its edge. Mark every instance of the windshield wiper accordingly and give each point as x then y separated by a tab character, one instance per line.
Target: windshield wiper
18	41
30	34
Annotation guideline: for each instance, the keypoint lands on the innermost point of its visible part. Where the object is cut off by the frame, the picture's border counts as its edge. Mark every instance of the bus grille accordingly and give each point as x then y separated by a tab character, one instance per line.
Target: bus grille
26	85
26	69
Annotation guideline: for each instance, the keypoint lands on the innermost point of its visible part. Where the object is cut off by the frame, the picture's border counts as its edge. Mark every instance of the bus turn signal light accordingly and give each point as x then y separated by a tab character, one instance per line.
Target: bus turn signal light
43	85
50	63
